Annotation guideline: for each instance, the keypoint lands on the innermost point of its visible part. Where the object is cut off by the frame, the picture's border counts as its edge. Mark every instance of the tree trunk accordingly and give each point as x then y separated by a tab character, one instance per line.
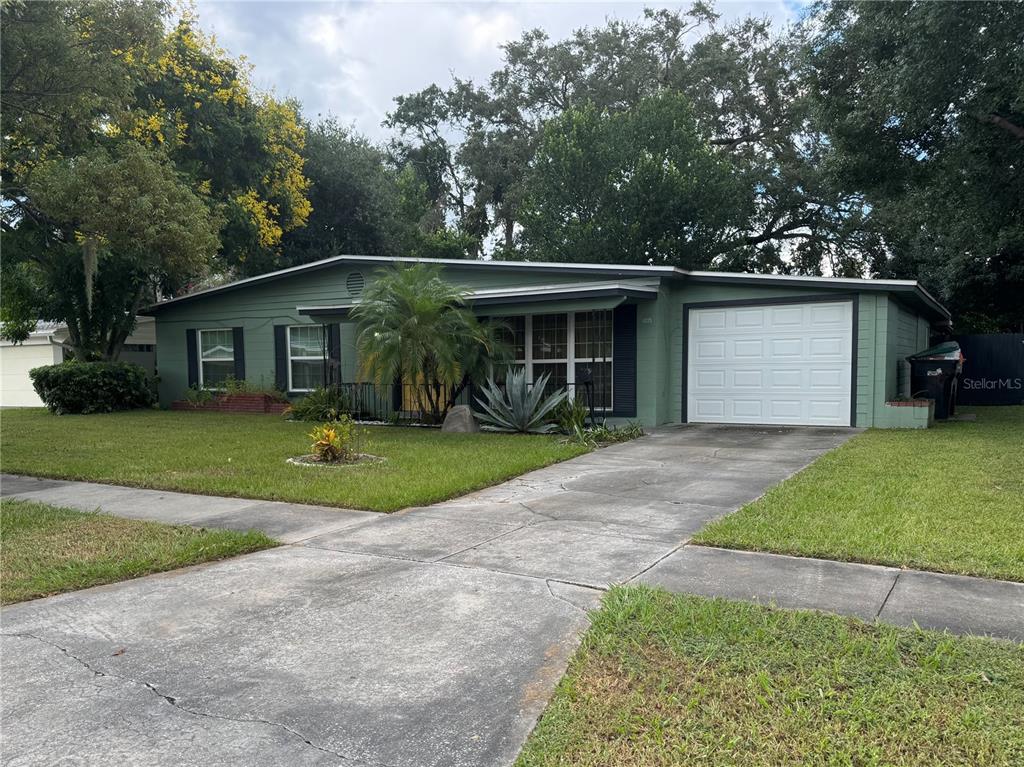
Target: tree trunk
510	228
455	392
89	267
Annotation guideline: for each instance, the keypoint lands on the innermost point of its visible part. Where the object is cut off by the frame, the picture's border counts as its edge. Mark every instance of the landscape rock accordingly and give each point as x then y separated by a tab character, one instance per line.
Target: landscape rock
460	420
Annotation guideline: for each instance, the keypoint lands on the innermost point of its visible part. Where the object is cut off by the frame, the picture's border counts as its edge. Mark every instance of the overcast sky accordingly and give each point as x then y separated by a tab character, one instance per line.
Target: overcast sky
351	59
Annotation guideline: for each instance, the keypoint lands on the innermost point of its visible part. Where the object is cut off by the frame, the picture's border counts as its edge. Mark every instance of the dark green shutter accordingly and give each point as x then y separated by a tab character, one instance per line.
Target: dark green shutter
239	344
624	361
334	353
281	357
192	351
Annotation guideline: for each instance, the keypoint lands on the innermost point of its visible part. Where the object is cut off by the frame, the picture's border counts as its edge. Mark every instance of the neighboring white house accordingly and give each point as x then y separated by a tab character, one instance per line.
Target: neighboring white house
44	346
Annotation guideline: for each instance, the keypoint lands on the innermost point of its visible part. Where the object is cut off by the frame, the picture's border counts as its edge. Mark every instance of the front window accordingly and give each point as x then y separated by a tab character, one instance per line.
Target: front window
305	357
593	353
570	348
216	357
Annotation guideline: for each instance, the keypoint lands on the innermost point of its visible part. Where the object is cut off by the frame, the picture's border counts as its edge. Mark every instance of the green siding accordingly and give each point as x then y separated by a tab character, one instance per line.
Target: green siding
886	331
259	307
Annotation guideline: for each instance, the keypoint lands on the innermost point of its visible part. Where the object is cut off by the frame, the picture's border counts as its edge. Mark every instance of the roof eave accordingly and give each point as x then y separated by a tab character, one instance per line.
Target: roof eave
900	287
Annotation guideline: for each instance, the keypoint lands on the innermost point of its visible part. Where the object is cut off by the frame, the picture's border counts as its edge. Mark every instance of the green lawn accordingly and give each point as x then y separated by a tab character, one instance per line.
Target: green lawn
949	498
677	680
47	550
244	455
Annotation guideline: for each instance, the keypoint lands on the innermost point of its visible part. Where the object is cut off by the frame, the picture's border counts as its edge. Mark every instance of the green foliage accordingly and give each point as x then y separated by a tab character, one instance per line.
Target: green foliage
242	148
414	326
131	156
195	396
924	110
601	434
519	407
335	442
750	111
323	404
355	199
232	385
607	435
638	186
64	63
572	416
93	387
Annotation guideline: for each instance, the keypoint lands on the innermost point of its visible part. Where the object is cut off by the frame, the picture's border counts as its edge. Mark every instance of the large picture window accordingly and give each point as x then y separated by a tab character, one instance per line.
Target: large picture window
306	352
567	347
216	357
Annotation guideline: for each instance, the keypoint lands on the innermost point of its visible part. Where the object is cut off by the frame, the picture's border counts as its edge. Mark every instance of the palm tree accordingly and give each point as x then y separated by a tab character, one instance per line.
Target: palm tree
414	325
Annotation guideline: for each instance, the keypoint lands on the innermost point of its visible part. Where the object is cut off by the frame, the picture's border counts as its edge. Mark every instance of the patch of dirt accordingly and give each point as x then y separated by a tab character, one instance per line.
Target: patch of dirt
312	460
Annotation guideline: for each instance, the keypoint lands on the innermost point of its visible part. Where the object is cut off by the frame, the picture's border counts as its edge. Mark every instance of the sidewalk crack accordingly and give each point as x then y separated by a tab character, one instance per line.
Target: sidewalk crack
502	534
657	561
173	702
548	581
888	594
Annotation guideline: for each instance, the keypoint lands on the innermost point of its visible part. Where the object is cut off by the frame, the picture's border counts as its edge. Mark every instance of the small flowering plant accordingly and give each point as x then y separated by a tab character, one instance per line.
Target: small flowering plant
335	442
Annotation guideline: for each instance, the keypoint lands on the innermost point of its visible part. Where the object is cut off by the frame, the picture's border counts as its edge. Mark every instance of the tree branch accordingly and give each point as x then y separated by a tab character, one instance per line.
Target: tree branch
1006	125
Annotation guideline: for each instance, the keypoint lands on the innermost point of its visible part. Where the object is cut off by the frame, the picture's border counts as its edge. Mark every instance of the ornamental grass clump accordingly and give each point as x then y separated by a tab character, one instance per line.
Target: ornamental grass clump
335	442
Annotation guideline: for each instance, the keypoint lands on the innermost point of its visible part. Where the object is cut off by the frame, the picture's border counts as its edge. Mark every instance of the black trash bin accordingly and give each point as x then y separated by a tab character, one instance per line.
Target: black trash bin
933	375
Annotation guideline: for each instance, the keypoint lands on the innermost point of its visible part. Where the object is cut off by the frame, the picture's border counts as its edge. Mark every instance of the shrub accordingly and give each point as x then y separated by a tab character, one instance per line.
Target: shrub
93	387
519	407
572	416
609	434
234	385
336	441
196	396
328	404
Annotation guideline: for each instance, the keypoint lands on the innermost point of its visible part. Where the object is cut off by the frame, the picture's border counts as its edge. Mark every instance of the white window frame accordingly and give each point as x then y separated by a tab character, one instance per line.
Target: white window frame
199	354
570	360
319	358
573	359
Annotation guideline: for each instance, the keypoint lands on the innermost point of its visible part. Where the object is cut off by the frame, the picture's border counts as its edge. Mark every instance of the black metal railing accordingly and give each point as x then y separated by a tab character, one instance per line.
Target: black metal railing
367	401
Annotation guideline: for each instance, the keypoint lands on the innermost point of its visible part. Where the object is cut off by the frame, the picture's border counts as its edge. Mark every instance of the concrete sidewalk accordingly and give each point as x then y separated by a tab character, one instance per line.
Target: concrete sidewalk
955	603
284	522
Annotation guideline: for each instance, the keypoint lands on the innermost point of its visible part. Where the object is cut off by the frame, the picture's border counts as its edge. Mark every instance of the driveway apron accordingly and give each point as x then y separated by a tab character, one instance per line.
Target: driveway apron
433	636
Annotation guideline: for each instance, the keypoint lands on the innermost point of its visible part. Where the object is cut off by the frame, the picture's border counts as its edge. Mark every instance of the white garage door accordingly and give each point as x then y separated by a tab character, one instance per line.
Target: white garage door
15	362
776	364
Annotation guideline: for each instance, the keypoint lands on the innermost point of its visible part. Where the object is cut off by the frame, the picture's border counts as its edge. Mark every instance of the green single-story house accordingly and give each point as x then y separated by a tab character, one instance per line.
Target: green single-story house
663	345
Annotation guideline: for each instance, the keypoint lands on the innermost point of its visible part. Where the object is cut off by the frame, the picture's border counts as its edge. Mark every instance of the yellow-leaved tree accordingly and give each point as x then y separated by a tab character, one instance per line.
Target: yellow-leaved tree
242	147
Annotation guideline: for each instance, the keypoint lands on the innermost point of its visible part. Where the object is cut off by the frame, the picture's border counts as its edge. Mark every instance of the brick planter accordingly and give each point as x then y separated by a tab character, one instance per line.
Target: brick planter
912	413
235	403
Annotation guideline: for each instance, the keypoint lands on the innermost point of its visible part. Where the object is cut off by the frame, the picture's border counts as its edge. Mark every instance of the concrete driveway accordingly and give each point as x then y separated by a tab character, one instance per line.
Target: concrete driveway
430	637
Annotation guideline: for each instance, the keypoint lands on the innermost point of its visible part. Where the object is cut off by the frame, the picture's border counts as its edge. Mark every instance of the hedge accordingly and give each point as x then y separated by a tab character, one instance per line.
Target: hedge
93	387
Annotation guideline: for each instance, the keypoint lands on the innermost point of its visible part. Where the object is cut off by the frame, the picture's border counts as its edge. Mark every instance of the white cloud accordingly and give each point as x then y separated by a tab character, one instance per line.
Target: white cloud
484	33
351	59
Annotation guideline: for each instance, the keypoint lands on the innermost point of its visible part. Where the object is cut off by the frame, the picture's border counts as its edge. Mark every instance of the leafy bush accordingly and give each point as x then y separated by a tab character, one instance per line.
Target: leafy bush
93	387
519	407
603	435
609	434
336	441
234	385
572	416
196	396
328	404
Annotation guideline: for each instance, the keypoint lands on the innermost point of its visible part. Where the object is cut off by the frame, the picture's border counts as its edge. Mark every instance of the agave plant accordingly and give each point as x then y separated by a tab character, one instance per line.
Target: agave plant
519	407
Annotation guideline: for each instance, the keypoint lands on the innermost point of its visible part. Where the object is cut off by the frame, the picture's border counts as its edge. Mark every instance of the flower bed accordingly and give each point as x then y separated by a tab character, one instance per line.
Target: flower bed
236	403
